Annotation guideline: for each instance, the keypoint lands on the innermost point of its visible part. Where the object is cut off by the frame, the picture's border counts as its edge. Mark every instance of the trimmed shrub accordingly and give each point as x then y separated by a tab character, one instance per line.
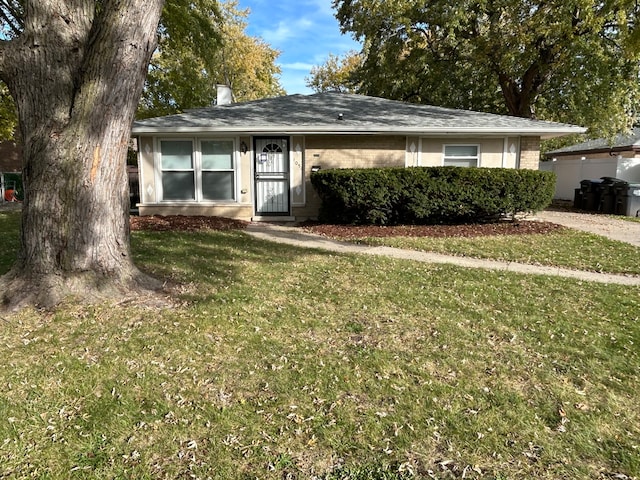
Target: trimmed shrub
423	195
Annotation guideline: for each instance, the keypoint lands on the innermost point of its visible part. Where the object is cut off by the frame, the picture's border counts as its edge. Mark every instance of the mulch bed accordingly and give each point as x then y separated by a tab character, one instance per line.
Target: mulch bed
183	223
465	230
195	223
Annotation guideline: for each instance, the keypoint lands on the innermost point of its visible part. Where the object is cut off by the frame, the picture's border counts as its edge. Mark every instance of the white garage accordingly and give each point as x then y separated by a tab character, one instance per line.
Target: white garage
593	160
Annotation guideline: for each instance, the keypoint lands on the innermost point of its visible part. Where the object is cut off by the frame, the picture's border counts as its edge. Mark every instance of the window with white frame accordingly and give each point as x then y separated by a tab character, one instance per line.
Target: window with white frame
218	171
178	170
200	170
461	155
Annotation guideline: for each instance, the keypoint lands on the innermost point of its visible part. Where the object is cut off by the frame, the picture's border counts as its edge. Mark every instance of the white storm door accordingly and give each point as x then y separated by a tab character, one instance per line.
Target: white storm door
272	176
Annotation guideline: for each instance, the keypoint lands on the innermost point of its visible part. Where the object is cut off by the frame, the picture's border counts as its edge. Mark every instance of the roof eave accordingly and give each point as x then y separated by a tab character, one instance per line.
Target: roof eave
342	130
635	148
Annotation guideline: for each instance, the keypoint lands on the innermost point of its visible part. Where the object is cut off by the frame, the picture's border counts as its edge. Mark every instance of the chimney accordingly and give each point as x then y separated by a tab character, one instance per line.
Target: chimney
224	95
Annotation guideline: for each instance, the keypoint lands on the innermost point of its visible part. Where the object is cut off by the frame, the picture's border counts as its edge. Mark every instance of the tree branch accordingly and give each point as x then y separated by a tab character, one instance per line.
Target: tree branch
12	15
3	47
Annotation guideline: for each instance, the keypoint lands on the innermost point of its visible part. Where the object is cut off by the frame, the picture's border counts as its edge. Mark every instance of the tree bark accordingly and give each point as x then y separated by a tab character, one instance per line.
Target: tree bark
76	73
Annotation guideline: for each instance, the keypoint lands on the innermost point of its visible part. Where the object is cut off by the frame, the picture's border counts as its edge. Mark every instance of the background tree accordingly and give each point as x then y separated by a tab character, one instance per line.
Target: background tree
9	27
247	64
337	74
75	69
565	60
183	74
8	118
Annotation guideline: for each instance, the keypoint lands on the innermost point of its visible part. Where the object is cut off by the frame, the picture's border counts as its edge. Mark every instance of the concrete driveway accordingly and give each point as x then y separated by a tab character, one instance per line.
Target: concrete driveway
609	226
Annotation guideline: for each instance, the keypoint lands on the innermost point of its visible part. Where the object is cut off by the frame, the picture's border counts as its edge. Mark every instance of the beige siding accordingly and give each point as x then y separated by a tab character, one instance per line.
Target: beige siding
297	164
492	151
412	158
146	170
512	152
245	178
241	212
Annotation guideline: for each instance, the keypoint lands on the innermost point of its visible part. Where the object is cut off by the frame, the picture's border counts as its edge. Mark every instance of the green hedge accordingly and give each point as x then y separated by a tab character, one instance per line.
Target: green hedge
388	196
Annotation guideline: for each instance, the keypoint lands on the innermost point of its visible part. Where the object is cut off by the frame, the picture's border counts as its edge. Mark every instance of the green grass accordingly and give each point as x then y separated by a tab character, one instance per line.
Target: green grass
568	248
9	238
279	362
629	219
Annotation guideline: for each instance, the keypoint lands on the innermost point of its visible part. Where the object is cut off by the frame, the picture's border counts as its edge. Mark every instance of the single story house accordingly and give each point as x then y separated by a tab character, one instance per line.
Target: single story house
593	160
253	160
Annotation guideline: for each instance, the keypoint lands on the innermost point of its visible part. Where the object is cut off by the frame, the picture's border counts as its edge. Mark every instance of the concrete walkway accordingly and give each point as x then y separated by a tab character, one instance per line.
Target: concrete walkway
296	237
607	226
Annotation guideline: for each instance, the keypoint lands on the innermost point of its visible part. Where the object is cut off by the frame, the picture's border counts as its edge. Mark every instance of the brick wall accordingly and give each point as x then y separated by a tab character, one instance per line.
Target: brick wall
341	151
529	152
355	151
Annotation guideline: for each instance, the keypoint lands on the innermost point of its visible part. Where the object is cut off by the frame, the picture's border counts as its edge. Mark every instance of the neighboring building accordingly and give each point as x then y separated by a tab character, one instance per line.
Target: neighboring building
11	163
593	160
253	160
10	157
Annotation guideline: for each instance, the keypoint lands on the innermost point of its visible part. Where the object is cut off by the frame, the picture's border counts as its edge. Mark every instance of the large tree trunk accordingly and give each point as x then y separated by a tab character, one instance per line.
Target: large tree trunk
76	73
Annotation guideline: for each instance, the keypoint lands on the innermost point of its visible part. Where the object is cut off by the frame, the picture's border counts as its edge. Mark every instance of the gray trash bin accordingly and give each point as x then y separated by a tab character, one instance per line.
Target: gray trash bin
628	202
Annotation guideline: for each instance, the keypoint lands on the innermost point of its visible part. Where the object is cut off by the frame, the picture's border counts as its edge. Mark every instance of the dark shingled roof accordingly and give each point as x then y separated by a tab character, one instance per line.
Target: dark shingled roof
621	142
340	113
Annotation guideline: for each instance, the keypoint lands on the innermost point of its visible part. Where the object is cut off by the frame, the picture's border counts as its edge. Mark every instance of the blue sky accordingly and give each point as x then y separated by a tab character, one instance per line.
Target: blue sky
304	31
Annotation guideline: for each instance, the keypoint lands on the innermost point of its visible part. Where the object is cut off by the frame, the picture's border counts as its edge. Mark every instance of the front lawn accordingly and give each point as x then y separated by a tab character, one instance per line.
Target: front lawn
278	362
567	248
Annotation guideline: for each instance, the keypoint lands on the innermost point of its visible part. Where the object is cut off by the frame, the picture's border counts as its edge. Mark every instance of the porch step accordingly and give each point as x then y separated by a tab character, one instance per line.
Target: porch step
275	218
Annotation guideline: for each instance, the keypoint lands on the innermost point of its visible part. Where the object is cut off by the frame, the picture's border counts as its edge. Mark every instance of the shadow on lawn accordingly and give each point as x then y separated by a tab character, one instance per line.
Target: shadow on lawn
211	259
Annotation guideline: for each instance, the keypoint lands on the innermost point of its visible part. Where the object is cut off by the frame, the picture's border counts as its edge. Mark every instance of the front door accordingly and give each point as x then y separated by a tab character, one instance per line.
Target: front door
272	176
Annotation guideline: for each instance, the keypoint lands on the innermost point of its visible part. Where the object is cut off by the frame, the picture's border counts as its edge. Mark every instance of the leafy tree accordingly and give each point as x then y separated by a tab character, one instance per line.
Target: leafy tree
247	64
567	60
10	10
75	69
183	74
336	74
8	119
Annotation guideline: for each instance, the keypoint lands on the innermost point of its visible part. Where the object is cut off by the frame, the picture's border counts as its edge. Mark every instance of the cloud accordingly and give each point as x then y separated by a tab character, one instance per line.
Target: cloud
286	30
304	31
298	66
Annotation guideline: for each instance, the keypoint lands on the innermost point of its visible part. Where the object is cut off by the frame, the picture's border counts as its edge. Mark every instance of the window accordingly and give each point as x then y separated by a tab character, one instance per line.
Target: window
217	170
461	155
203	173
178	180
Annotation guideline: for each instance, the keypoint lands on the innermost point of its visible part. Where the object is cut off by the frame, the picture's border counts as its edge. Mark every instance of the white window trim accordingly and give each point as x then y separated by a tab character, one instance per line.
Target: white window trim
478	156
159	170
199	169
196	149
